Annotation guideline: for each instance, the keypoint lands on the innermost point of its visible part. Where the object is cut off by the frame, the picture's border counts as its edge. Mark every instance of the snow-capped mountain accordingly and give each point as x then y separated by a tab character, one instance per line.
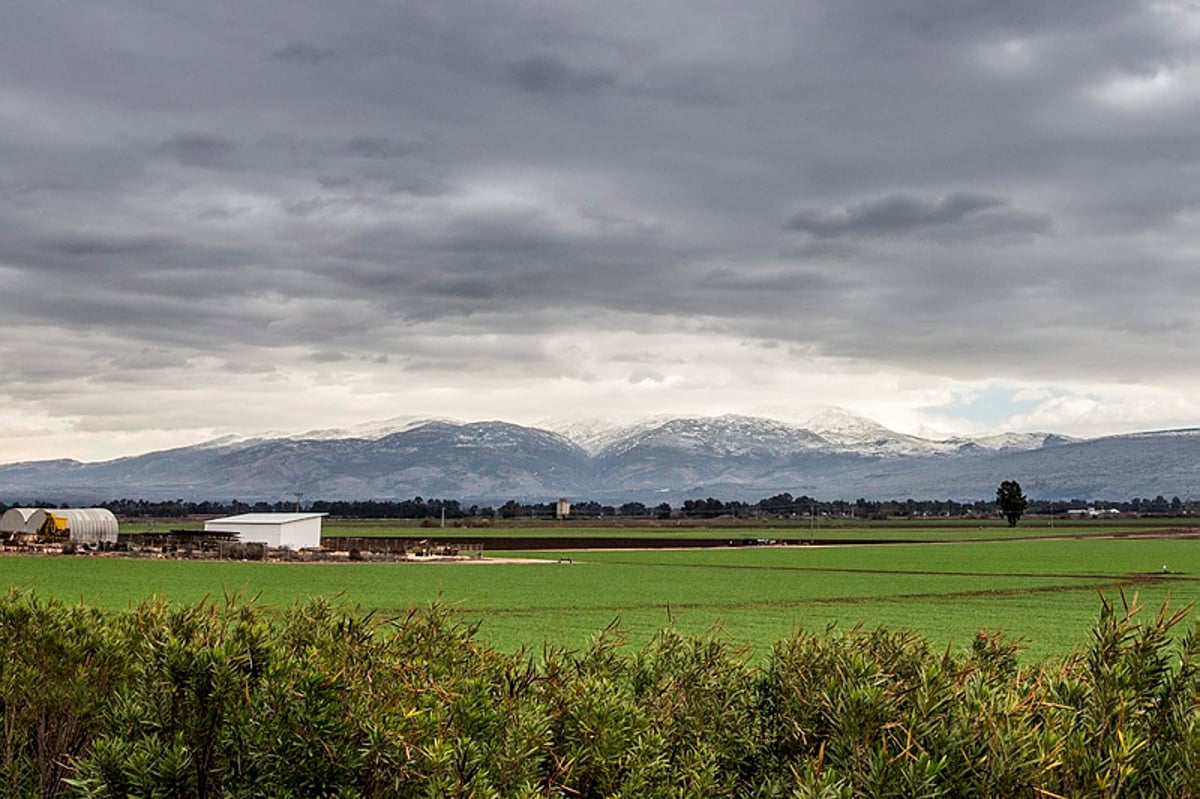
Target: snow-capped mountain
720	436
595	434
1018	442
848	432
834	455
371	431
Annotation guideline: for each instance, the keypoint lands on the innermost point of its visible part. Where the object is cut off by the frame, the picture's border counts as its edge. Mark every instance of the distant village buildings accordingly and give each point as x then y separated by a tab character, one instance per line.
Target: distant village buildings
1092	513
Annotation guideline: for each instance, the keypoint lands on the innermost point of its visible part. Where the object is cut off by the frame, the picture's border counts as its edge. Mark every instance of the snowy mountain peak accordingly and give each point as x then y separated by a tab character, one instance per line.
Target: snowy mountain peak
594	434
849	432
371	431
1021	442
728	435
841	424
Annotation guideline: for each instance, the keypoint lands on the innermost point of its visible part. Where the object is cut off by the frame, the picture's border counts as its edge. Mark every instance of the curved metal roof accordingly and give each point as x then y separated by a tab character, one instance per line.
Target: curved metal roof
87	525
16	520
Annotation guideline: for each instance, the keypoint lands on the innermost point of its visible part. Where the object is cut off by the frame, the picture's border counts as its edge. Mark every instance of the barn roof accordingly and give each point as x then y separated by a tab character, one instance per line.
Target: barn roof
268	518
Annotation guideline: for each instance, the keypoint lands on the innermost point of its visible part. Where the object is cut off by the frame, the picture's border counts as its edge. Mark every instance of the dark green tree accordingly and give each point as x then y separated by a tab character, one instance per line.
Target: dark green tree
1011	501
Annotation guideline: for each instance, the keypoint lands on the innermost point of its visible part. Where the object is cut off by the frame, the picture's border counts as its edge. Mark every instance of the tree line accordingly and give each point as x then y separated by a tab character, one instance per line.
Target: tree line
778	506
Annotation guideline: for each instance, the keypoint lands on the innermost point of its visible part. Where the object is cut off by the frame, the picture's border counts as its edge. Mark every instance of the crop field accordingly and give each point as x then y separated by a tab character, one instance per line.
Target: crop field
1044	591
802	529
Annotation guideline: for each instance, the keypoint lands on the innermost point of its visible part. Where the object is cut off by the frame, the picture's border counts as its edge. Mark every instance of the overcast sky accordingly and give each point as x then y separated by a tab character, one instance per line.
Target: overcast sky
234	217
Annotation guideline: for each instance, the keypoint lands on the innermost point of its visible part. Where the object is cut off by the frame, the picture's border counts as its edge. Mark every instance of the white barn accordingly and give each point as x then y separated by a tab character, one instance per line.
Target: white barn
292	530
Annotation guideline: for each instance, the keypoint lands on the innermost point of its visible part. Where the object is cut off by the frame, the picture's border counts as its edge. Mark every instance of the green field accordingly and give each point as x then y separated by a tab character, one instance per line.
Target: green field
828	529
1041	590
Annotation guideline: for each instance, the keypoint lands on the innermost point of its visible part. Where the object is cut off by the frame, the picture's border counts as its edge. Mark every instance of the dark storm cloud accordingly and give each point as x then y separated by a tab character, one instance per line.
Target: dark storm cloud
222	178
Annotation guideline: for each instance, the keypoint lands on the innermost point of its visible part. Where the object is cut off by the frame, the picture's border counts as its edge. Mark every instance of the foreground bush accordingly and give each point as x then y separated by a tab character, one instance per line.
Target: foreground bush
238	700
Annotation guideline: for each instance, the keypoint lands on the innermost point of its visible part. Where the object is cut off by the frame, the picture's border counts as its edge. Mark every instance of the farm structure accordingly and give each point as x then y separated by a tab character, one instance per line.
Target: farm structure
84	526
16	521
291	530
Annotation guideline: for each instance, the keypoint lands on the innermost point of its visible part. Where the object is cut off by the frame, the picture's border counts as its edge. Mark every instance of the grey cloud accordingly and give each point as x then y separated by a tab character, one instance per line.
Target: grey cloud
472	166
511	234
85	246
903	214
239	367
305	206
543	74
707	90
205	150
798	283
821	250
951	19
419	186
131	262
645	376
328	356
150	359
302	53
221	214
380	147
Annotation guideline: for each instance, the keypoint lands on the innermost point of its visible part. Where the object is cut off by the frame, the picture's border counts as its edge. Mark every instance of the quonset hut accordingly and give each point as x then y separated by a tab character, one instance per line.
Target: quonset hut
16	521
80	525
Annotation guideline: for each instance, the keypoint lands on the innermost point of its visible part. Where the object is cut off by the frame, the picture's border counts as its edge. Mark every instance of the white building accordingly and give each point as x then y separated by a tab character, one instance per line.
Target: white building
292	530
80	525
1093	513
16	520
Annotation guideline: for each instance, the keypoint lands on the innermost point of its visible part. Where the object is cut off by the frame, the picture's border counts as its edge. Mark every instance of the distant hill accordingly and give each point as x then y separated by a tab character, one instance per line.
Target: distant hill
834	456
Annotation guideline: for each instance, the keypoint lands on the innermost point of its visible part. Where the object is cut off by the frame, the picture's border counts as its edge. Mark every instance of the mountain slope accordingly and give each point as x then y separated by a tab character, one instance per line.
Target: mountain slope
732	457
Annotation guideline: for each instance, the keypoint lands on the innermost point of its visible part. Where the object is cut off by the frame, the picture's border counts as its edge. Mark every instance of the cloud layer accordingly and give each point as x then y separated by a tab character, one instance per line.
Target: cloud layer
228	218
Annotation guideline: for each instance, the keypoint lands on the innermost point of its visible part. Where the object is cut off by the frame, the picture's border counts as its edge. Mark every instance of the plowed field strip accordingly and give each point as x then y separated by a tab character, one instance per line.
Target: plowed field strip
1131	582
846	570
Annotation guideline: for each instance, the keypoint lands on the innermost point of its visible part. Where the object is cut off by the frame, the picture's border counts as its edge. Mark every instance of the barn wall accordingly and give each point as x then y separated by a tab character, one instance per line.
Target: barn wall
303	533
248	532
298	534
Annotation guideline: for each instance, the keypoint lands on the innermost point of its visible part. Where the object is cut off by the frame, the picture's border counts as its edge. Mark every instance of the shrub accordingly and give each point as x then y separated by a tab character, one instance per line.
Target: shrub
239	700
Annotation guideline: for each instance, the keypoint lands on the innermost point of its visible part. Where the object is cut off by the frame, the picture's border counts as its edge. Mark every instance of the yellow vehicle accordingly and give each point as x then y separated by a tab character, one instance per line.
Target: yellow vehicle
54	528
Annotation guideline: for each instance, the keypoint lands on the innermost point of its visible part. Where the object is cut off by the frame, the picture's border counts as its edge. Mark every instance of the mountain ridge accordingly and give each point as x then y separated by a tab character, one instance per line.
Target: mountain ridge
834	455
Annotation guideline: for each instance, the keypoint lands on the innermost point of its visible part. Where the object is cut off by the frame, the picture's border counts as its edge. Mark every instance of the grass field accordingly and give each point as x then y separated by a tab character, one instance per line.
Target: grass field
828	529
1041	590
